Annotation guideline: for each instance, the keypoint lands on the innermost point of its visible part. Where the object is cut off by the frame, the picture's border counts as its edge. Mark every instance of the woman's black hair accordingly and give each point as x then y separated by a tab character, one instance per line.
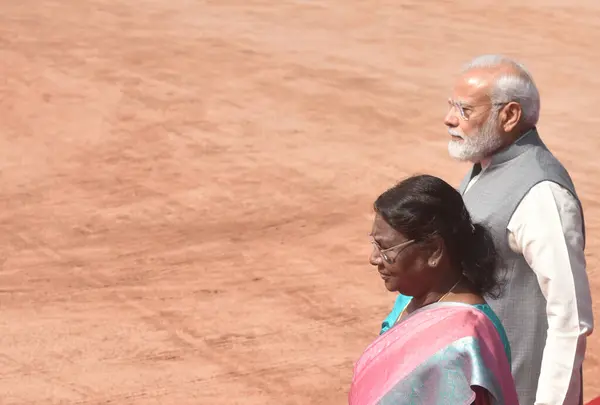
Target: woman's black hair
424	206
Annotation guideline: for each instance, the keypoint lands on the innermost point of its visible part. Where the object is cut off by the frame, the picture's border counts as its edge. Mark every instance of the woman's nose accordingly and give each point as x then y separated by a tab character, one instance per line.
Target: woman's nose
375	257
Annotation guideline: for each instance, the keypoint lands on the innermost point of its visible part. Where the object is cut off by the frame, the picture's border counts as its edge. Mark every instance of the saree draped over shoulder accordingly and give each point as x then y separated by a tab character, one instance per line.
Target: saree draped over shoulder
442	354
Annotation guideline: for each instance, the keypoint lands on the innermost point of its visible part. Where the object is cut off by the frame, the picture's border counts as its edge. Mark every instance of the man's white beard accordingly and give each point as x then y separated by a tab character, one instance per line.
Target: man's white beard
479	145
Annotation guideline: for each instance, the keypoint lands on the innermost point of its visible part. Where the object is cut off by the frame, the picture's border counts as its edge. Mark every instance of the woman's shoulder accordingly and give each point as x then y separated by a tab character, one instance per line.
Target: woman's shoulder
491	315
489	312
475	317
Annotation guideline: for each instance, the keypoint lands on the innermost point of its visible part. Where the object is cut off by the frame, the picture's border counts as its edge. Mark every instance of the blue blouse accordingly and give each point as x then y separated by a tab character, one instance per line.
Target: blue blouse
402	301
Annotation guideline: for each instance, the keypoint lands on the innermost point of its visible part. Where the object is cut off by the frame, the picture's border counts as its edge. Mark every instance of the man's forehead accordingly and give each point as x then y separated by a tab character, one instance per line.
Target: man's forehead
473	86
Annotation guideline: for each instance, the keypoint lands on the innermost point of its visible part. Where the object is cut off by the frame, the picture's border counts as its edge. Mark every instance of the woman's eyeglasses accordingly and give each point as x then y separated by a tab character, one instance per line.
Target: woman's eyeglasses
384	252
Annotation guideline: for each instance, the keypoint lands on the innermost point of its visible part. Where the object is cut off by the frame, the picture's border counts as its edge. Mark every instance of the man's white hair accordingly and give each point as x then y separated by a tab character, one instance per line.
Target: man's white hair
518	86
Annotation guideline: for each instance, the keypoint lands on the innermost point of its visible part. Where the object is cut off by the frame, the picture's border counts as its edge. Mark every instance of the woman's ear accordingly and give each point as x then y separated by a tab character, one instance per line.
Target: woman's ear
436	251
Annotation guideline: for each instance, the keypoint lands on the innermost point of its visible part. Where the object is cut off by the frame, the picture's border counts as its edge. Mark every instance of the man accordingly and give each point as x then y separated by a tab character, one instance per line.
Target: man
524	194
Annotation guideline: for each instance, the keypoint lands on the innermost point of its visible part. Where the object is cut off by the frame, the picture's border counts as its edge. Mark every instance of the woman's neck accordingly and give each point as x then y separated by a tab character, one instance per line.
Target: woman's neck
444	289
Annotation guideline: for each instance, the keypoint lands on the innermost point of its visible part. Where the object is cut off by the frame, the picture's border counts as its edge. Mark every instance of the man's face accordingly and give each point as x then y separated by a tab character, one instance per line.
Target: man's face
471	120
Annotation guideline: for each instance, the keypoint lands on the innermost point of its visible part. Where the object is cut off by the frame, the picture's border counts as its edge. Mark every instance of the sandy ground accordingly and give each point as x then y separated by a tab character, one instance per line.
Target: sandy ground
187	184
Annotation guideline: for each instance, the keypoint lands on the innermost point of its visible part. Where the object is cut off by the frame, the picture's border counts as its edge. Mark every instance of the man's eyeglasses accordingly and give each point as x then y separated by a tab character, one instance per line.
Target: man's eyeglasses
464	110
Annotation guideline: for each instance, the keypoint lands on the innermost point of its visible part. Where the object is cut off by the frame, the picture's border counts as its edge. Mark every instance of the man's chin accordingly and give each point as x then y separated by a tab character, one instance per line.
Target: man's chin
457	154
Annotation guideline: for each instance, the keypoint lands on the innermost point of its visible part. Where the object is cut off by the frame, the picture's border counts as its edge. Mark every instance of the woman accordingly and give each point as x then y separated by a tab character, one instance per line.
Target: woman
441	344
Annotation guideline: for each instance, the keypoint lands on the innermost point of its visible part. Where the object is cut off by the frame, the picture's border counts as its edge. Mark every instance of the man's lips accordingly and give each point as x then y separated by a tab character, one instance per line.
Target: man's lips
455	135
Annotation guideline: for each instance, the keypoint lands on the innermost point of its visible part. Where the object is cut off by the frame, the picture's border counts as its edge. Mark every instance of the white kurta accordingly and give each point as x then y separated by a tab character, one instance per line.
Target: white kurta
547	229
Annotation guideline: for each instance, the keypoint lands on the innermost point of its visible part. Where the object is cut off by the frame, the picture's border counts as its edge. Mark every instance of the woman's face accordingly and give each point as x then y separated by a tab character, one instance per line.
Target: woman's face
405	269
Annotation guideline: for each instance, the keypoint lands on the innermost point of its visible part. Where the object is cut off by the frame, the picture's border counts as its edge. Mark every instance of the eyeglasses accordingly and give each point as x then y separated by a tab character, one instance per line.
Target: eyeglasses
461	107
383	252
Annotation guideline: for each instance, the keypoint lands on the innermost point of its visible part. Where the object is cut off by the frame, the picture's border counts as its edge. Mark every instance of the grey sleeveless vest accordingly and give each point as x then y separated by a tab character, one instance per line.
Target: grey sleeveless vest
492	200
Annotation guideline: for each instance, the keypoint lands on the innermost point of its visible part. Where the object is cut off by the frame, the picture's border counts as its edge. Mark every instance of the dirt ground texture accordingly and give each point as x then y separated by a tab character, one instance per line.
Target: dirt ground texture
187	185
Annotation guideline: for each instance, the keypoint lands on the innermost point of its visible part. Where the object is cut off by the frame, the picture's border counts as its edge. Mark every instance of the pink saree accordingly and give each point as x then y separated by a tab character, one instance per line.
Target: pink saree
445	353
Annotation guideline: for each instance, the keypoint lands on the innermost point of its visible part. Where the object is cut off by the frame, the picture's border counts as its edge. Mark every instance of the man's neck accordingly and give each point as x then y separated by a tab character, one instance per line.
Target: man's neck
485	162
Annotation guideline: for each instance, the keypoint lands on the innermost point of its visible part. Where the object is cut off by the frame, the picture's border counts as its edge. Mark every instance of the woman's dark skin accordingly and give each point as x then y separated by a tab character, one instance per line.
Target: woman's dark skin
426	246
421	270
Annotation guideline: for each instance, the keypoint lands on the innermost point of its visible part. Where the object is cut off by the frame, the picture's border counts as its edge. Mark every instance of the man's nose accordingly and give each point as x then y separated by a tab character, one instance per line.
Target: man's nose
451	120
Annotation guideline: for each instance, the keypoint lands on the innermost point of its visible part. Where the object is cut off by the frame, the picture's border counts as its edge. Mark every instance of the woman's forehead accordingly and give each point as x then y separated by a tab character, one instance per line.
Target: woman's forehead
383	230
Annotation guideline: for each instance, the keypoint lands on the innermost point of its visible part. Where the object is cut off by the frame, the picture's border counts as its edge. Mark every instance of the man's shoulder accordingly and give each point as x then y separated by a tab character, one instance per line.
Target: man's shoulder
546	189
543	169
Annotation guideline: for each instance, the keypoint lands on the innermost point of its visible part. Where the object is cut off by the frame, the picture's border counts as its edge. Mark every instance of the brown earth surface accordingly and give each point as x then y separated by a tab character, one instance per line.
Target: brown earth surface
187	185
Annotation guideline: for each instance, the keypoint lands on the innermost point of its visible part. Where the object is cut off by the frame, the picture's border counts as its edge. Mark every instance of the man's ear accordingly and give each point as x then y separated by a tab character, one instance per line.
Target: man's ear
510	116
